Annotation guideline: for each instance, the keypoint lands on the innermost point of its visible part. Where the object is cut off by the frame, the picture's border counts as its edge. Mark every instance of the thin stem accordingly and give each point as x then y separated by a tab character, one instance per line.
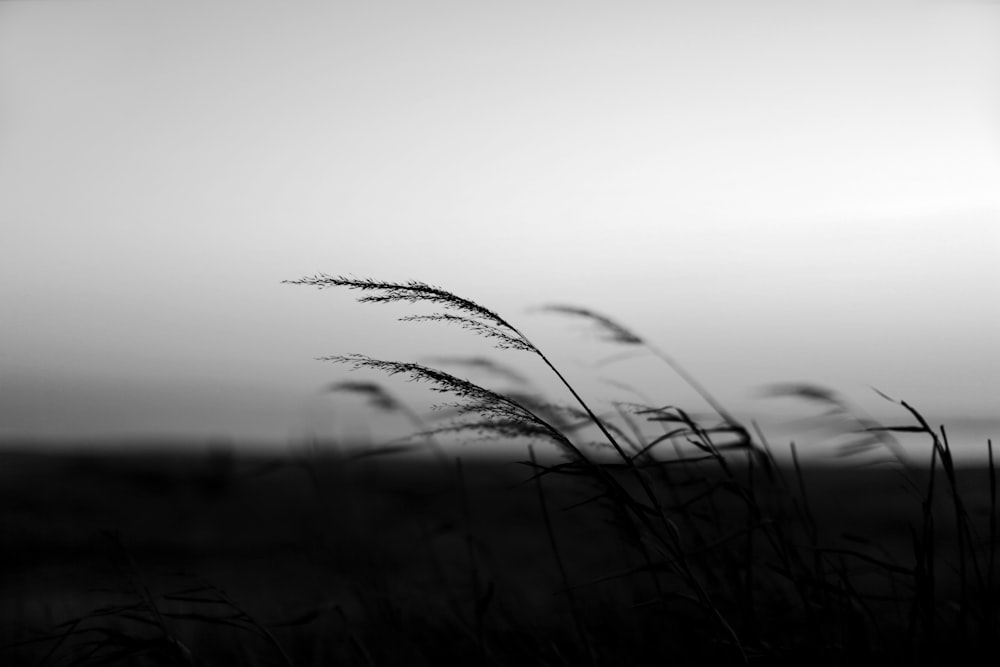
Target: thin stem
702	391
563	575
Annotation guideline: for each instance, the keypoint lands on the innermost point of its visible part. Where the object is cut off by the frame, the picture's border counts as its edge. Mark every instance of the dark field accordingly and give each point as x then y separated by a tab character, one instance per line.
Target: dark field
166	557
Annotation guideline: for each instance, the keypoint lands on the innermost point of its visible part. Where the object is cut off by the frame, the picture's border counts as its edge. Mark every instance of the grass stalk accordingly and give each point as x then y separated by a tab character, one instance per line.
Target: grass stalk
574	607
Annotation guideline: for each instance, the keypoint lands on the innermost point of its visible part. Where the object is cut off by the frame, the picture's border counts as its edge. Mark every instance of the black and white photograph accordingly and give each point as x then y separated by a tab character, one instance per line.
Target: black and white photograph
570	334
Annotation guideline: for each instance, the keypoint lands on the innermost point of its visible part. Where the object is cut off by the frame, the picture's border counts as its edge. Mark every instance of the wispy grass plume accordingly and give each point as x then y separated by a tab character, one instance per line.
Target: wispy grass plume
616	332
489	323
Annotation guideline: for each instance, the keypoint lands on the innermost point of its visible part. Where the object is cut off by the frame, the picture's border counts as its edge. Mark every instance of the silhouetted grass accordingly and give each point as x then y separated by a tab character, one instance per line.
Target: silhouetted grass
694	544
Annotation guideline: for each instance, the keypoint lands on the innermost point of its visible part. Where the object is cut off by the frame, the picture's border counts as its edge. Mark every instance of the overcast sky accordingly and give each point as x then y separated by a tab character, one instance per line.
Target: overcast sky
770	191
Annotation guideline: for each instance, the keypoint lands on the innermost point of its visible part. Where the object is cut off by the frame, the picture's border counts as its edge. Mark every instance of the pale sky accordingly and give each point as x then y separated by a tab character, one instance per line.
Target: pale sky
770	191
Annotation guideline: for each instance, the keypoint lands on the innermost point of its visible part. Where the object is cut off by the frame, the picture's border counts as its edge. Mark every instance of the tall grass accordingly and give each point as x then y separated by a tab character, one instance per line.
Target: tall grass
726	552
724	534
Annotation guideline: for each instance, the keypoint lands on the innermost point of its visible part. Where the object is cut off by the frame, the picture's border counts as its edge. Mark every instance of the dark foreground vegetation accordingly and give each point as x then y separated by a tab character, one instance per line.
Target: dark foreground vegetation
629	534
166	558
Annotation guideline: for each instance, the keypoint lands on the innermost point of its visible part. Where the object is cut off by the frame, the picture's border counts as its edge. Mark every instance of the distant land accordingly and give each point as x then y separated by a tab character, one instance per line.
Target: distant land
131	414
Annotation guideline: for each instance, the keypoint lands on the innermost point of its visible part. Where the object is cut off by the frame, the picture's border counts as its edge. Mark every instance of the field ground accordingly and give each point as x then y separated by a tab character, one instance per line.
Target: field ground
327	559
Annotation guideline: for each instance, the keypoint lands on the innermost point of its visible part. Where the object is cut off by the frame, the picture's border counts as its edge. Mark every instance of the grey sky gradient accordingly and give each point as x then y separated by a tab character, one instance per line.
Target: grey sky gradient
770	191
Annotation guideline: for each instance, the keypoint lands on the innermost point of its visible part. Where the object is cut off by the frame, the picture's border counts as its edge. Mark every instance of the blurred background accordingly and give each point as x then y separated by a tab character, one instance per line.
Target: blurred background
768	191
